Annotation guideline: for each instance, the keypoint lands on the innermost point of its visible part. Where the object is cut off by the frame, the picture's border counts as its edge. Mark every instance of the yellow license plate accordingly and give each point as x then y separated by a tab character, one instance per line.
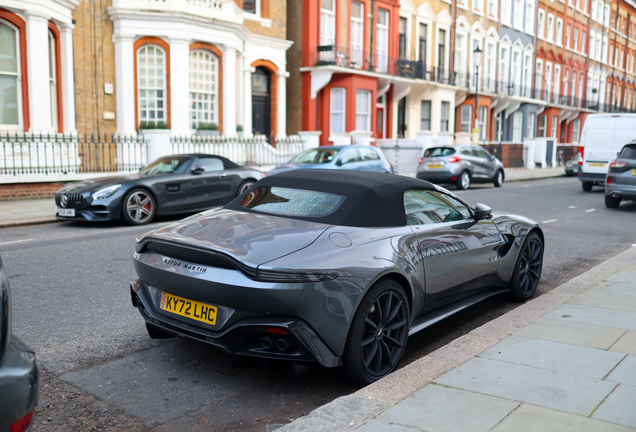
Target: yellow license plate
434	166
596	164
188	308
634	172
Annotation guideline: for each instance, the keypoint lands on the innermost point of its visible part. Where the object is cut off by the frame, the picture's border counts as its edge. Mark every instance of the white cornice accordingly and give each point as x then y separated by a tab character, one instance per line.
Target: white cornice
269	41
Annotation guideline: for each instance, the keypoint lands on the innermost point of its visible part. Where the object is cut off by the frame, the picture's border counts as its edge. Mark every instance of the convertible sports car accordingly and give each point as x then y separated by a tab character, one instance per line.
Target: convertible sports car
171	184
336	269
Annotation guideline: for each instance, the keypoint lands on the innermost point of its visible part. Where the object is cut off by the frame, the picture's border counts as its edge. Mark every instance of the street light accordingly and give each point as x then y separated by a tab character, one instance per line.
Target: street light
477	53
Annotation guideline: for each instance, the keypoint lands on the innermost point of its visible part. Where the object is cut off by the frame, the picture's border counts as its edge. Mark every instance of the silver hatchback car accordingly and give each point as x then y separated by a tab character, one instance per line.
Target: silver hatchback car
460	165
620	183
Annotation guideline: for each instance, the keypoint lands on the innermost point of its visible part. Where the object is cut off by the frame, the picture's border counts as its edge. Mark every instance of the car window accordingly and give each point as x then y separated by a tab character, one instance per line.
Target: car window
314	156
349	155
467	152
629	152
166	165
439	151
430	207
292	202
368	154
482	153
210	164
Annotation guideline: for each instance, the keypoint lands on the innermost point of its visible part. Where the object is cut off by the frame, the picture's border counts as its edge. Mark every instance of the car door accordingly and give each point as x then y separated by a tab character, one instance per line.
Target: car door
486	162
459	253
169	183
349	159
370	160
469	158
210	184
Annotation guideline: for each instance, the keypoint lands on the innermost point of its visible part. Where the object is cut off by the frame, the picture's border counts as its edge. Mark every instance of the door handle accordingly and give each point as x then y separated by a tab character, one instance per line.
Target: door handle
221	175
173	187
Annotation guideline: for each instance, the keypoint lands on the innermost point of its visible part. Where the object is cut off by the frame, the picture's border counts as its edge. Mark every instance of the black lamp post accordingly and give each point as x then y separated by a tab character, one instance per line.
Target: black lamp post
477	53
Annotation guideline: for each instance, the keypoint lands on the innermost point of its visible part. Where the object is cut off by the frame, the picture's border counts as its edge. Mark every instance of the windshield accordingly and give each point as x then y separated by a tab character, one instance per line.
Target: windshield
439	151
166	165
629	152
291	202
315	156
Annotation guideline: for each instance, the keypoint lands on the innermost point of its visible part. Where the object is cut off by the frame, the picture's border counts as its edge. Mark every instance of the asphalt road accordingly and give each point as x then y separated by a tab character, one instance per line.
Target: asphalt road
102	372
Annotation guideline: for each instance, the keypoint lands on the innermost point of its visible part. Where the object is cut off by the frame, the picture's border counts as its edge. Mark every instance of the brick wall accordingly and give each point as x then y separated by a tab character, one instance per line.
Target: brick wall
24	191
94	53
278	15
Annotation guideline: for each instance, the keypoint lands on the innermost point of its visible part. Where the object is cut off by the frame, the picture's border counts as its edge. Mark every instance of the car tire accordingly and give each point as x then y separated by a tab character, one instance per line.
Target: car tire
139	207
244	187
499	178
611	202
372	351
463	181
587	186
527	272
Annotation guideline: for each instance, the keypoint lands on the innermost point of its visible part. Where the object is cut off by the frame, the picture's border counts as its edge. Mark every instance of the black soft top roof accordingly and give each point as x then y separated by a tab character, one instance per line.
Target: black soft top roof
372	199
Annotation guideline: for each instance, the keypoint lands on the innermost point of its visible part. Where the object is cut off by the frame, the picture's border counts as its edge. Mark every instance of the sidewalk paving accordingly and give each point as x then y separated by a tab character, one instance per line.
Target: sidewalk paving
565	361
37	211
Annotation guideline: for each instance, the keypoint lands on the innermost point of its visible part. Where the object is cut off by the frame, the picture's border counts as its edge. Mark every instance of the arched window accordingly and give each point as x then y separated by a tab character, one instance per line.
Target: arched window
10	94
151	73
204	86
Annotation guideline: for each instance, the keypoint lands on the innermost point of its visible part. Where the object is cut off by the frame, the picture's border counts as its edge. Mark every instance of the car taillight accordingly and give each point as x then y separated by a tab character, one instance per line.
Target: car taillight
453	159
609	180
419	161
24	424
617	164
581	155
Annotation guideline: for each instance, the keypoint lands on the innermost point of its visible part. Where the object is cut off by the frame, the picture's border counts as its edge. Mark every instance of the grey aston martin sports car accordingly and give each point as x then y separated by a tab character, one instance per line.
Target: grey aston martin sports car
174	184
336	269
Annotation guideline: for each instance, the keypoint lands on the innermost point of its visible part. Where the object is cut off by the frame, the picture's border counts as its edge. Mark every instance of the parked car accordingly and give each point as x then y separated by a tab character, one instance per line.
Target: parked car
19	371
169	185
620	183
602	138
572	166
460	165
350	157
335	269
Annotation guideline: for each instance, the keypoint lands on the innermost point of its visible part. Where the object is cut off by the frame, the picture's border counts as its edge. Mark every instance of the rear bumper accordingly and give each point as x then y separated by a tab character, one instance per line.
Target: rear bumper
437	176
19	383
624	191
591	177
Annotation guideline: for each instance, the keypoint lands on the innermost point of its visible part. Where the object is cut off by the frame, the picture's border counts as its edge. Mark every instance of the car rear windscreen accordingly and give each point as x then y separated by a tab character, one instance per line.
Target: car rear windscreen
292	202
629	152
439	151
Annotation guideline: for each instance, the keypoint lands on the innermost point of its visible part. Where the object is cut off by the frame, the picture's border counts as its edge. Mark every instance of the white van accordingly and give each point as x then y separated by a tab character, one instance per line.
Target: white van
603	137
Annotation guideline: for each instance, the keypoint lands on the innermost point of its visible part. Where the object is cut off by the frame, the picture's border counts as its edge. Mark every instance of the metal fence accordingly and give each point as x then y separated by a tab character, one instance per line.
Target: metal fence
254	152
509	153
403	154
24	153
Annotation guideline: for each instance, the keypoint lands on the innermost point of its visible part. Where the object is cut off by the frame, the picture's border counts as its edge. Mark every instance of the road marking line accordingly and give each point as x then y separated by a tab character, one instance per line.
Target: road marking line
590	210
549	221
572	207
16	241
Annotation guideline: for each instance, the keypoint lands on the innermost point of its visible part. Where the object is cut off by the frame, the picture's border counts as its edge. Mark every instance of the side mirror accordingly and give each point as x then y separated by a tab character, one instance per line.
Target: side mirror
198	170
342	161
492	158
482	211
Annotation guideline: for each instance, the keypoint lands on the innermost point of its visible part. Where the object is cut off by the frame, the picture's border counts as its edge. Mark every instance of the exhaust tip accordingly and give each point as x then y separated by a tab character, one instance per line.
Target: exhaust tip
267	342
615	195
282	344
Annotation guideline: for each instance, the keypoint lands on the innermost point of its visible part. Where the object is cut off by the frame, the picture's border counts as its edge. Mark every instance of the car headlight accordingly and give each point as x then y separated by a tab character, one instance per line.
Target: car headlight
106	192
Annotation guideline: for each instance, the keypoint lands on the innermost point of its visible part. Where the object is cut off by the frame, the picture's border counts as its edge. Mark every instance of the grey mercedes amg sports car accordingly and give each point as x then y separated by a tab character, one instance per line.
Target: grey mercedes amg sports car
337	269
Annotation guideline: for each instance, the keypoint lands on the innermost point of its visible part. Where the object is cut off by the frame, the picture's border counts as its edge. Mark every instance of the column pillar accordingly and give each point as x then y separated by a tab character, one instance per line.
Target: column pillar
38	58
247	101
179	85
229	91
282	105
125	85
68	79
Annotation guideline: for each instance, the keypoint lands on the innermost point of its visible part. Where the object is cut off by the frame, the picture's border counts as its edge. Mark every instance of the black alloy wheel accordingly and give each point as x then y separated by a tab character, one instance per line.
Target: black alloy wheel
499	178
463	181
611	202
378	333
139	207
527	273
244	187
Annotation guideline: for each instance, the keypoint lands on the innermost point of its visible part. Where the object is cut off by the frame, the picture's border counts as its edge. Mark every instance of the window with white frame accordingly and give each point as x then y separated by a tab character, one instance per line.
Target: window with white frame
425	116
491	9
460	55
541	24
423	48
557	83
530	131
538	84
599	47
403	45
478	6
382	47
550	28
151	72
583	41
530	11
252	6
441	50
541	127
445	116
566	82
328	29
568	41
506	10
518	14
515	71
474	44
462	3
575	39
483	123
576	130
337	110
517	125
555	126
574	85
527	78
489	66
363	110
52	79
204	84
592	45
605	46
548	81
356	44
10	94
594	9
504	70
607	15
466	117
559	32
